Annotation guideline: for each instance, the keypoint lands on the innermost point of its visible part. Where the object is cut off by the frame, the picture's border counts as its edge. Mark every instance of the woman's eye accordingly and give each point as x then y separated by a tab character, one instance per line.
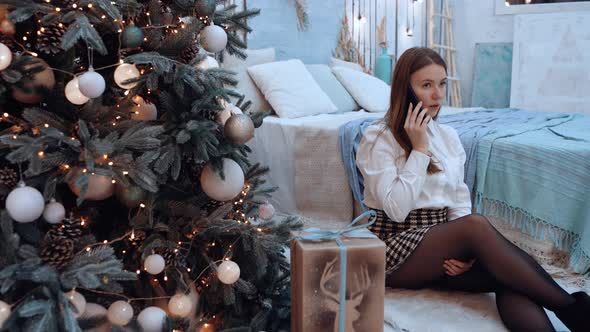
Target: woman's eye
427	85
443	83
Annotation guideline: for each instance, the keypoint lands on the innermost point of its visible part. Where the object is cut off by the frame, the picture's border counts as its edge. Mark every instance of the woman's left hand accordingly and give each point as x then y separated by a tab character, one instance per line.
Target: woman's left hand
455	267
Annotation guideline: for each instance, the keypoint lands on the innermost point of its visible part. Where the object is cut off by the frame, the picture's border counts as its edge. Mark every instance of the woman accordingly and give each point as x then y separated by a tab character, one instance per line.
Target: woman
412	168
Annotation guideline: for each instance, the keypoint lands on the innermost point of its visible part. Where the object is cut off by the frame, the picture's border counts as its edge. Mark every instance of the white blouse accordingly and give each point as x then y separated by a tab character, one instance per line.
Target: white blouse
397	186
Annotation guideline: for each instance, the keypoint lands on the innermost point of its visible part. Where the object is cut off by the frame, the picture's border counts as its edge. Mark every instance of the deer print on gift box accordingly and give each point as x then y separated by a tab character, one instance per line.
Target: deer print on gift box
360	283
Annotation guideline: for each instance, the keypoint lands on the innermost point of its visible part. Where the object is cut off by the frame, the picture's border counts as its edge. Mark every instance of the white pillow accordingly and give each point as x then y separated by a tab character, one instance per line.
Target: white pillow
371	93
245	85
335	62
290	89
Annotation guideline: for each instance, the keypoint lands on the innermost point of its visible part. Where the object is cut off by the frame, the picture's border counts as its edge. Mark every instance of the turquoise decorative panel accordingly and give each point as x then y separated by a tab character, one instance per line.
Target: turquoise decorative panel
492	75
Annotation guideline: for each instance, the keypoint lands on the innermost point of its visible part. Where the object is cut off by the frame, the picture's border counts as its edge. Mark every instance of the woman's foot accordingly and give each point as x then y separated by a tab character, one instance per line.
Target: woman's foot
576	316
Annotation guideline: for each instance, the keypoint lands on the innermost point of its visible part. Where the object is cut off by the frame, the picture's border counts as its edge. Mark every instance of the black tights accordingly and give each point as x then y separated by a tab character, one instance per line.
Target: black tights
521	285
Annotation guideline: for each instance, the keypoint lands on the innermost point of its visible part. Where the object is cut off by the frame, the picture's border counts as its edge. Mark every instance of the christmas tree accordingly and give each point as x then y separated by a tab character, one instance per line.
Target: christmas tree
129	202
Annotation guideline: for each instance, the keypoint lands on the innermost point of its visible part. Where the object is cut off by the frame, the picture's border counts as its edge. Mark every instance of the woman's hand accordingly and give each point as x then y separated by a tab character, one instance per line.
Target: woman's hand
415	127
454	267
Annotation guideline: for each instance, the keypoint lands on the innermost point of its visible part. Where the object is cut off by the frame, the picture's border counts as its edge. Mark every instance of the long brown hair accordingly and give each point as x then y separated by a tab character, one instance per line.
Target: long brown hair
402	94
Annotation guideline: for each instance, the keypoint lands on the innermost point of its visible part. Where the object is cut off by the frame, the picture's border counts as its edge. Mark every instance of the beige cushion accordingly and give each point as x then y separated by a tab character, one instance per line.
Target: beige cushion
245	84
290	89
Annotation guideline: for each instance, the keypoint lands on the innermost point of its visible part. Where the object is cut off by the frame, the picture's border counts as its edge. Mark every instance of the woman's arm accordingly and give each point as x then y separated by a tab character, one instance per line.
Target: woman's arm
461	205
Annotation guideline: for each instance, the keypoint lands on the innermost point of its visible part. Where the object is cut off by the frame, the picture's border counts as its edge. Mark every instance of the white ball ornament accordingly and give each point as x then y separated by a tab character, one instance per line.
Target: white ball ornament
180	305
223	189
5	56
73	93
151	319
266	211
120	313
228	272
142	110
154	264
91	84
25	204
5	311
78	301
124	72
208	63
213	38
54	212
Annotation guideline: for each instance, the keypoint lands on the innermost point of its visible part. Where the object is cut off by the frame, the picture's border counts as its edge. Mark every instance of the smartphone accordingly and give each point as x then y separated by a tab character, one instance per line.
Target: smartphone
412	98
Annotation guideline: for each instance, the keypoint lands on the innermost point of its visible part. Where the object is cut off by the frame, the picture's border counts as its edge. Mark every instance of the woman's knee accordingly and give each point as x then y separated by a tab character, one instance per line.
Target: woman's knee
476	224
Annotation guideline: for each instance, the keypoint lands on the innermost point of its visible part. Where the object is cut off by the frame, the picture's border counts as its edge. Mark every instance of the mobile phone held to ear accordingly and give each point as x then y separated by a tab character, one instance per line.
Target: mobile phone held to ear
412	98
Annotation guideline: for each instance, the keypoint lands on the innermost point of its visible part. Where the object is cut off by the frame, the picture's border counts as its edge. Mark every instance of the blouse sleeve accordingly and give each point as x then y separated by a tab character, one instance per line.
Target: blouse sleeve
461	204
396	189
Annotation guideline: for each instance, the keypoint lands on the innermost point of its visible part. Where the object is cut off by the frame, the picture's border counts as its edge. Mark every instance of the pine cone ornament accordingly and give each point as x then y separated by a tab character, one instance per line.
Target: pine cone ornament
188	54
171	257
49	40
8	177
57	252
137	237
70	228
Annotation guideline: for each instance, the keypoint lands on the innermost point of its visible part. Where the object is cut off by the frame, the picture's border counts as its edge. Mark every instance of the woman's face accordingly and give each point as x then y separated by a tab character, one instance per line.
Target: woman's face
430	86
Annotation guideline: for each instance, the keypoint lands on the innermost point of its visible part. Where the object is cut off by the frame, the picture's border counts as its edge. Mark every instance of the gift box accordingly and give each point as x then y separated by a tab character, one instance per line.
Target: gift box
317	259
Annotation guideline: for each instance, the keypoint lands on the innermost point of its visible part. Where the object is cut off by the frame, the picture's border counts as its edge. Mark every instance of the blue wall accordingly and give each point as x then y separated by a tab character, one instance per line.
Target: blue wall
276	26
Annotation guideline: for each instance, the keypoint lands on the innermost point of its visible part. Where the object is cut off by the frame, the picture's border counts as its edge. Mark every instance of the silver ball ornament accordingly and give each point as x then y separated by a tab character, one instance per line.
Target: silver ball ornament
239	129
151	319
266	211
25	204
213	38
54	212
208	63
96	311
91	84
120	313
222	189
228	272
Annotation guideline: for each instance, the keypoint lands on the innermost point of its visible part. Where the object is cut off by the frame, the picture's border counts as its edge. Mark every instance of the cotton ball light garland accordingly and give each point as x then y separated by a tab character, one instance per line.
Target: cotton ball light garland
180	305
124	72
78	301
73	93
228	272
154	264
120	313
5	311
5	56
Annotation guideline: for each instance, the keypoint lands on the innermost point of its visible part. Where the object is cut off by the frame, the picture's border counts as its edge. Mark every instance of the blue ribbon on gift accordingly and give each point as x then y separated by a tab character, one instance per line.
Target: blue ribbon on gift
351	230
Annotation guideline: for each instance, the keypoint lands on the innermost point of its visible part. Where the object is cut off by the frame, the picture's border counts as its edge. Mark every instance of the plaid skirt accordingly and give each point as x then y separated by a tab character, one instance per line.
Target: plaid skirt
402	238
